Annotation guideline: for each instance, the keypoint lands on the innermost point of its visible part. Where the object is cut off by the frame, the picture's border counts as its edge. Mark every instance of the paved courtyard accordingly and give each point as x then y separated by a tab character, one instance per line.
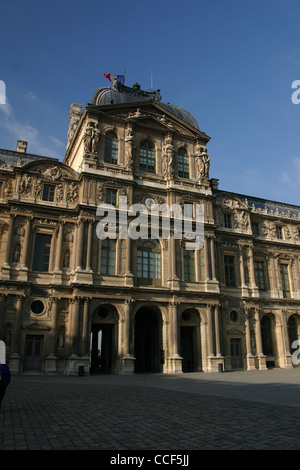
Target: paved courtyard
200	411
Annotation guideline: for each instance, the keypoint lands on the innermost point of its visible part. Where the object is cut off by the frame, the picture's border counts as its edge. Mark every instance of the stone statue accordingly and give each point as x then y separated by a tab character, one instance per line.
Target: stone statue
203	163
25	185
168	157
129	149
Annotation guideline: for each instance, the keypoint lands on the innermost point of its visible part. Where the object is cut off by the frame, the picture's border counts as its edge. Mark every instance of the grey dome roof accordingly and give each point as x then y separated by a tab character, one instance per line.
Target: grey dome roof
122	94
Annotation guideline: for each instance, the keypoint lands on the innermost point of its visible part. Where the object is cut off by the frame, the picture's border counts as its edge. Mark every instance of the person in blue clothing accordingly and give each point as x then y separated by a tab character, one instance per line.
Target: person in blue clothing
5	377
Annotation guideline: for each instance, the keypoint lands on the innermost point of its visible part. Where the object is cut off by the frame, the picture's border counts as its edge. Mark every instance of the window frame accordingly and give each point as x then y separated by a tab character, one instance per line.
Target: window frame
50	192
149	259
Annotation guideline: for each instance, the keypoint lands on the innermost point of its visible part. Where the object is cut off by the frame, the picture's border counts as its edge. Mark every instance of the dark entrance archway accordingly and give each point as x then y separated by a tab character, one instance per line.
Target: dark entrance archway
190	341
103	342
147	341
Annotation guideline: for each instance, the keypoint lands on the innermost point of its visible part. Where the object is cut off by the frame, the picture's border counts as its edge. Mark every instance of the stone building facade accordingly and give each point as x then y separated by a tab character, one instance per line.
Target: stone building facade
71	302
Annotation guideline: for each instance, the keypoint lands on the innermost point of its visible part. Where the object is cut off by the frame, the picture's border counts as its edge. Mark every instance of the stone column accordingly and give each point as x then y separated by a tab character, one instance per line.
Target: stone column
59	248
79	247
213	260
28	233
128	272
52	340
2	312
9	241
128	359
210	342
259	350
75	325
206	259
85	326
217	332
173	279
174	360
89	245
242	269
14	359
249	356
286	343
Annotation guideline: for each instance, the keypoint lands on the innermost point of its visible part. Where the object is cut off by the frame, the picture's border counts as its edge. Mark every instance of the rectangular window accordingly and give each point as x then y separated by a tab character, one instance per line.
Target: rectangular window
41	255
227	221
279	232
229	271
284	274
108	256
48	192
111	196
259	275
189	265
255	229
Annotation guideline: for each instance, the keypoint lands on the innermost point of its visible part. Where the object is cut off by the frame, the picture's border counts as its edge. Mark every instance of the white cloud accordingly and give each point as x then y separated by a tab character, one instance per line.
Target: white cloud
28	133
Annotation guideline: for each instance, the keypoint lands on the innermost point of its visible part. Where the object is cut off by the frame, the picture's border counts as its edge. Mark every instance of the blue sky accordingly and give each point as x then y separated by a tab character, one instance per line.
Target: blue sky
230	63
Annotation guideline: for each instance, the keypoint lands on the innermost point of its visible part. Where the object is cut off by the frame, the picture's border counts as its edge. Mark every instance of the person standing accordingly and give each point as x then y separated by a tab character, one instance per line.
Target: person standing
5	377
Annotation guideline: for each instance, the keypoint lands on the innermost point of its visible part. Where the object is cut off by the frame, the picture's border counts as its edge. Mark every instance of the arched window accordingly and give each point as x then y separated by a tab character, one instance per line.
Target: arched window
149	263
147	157
183	164
111	148
266	334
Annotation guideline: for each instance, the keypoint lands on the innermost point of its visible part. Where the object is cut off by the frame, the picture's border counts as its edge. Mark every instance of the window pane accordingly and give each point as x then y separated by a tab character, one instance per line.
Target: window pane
183	164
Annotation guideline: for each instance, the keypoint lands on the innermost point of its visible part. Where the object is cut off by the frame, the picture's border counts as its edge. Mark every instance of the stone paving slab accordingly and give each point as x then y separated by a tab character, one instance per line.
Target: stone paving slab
147	413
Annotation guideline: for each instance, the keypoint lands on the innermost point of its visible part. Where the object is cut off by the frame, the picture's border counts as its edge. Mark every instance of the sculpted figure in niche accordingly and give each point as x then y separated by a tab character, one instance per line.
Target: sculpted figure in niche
38	188
129	149
203	163
72	193
61	339
168	157
16	255
60	192
88	135
25	185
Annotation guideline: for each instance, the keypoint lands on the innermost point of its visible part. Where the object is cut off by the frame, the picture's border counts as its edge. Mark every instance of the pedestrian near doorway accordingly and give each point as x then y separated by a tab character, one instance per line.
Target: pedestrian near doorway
5	377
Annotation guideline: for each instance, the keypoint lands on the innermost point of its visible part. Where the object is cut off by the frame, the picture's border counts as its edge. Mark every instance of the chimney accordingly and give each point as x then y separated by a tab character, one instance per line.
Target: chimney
21	146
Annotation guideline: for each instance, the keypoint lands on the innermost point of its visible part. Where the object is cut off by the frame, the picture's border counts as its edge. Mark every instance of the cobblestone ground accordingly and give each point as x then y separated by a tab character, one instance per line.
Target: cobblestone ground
51	416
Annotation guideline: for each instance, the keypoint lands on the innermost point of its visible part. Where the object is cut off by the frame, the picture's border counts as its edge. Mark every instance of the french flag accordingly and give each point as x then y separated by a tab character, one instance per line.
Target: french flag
112	78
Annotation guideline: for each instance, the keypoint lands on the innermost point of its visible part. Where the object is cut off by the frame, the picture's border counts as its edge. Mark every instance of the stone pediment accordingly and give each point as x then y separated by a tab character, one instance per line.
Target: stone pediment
235	331
52	171
36	326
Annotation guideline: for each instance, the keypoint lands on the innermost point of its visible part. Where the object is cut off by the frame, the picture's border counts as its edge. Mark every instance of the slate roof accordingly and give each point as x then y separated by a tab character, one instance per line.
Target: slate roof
121	94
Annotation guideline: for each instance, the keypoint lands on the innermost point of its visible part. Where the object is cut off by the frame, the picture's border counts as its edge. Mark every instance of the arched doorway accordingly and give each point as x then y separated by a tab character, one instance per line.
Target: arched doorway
190	341
268	339
104	339
147	340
